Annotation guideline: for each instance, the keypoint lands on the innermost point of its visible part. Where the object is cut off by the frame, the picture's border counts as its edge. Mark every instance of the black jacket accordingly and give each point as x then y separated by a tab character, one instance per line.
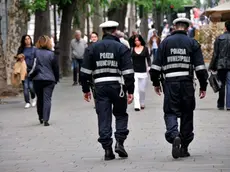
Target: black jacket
221	54
45	66
107	60
176	58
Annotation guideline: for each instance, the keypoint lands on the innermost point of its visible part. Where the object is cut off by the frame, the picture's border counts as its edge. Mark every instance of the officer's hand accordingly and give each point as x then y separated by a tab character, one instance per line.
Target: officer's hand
202	94
158	90
130	98
87	96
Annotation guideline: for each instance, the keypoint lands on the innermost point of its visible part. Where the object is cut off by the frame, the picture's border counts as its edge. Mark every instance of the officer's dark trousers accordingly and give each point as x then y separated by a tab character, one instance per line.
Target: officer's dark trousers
179	102
44	91
108	102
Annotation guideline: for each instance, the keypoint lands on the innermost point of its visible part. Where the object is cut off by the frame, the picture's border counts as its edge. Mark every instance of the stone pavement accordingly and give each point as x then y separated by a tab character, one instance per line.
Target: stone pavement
70	143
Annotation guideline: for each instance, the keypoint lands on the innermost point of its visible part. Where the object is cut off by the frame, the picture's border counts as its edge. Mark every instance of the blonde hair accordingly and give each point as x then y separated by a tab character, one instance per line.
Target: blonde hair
44	42
20	56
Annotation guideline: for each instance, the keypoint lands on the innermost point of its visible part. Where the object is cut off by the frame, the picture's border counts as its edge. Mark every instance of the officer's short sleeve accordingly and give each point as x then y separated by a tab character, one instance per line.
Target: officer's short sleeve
86	69
156	67
198	62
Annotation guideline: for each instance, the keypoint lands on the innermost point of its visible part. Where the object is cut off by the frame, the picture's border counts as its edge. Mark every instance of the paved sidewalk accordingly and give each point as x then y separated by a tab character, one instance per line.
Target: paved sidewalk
70	143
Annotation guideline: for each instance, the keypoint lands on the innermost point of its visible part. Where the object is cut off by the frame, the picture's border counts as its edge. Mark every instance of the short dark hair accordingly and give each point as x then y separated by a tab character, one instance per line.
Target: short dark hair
182	24
109	30
140	38
94	33
227	25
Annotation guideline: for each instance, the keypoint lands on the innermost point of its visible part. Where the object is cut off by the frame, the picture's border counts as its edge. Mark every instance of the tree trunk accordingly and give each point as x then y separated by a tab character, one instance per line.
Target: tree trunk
97	18
132	19
2	66
80	17
65	37
118	14
42	23
144	26
17	26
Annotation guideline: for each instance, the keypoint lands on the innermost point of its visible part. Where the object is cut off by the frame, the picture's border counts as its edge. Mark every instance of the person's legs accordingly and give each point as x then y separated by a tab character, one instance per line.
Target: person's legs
142	88
221	99
80	61
38	87
75	67
137	105
26	92
47	96
104	113
228	91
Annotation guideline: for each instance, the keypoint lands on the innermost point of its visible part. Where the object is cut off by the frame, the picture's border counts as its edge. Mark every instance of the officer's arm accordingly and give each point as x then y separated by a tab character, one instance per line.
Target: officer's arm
213	63
86	70
126	68
198	62
155	70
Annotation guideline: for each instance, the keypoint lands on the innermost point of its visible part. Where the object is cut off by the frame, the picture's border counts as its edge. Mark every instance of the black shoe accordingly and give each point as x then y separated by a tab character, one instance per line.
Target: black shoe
176	148
228	109
184	152
119	148
46	123
75	83
109	155
41	121
220	108
137	109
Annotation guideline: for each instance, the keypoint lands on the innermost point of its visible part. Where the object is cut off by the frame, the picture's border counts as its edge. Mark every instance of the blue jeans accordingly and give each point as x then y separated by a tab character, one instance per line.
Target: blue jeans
28	89
154	53
224	77
76	63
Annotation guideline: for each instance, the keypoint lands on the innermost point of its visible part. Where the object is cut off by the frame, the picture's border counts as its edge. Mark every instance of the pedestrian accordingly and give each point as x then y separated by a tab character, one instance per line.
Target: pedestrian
93	39
131	39
176	57
141	59
150	32
192	31
45	74
121	36
165	32
77	49
154	43
220	63
109	62
28	50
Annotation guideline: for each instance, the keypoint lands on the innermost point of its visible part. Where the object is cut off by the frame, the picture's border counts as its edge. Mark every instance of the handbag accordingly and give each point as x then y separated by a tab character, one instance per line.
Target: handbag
214	81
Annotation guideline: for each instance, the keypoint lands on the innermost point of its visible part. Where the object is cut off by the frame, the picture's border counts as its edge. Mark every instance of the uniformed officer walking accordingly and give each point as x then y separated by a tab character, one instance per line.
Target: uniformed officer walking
109	61
177	57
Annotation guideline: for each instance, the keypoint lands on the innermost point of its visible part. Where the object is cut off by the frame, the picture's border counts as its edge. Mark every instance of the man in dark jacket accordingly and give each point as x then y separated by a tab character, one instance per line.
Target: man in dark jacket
109	62
221	63
176	57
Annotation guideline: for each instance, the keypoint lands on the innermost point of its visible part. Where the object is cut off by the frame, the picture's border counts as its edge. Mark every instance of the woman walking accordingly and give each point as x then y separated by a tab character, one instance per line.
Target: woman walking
45	74
28	50
141	59
154	43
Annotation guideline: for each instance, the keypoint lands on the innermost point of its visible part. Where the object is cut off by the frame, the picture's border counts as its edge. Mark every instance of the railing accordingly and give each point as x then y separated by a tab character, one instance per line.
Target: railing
206	36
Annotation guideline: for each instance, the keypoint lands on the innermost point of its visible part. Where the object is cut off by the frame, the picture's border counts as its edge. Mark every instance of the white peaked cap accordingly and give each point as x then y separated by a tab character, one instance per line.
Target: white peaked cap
182	20
109	24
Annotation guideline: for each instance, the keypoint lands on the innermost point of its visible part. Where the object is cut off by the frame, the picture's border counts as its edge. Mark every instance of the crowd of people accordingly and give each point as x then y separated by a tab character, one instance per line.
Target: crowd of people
116	71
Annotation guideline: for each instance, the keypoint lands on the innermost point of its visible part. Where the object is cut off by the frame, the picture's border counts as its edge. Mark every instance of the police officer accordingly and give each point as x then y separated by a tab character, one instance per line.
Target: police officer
177	57
109	62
